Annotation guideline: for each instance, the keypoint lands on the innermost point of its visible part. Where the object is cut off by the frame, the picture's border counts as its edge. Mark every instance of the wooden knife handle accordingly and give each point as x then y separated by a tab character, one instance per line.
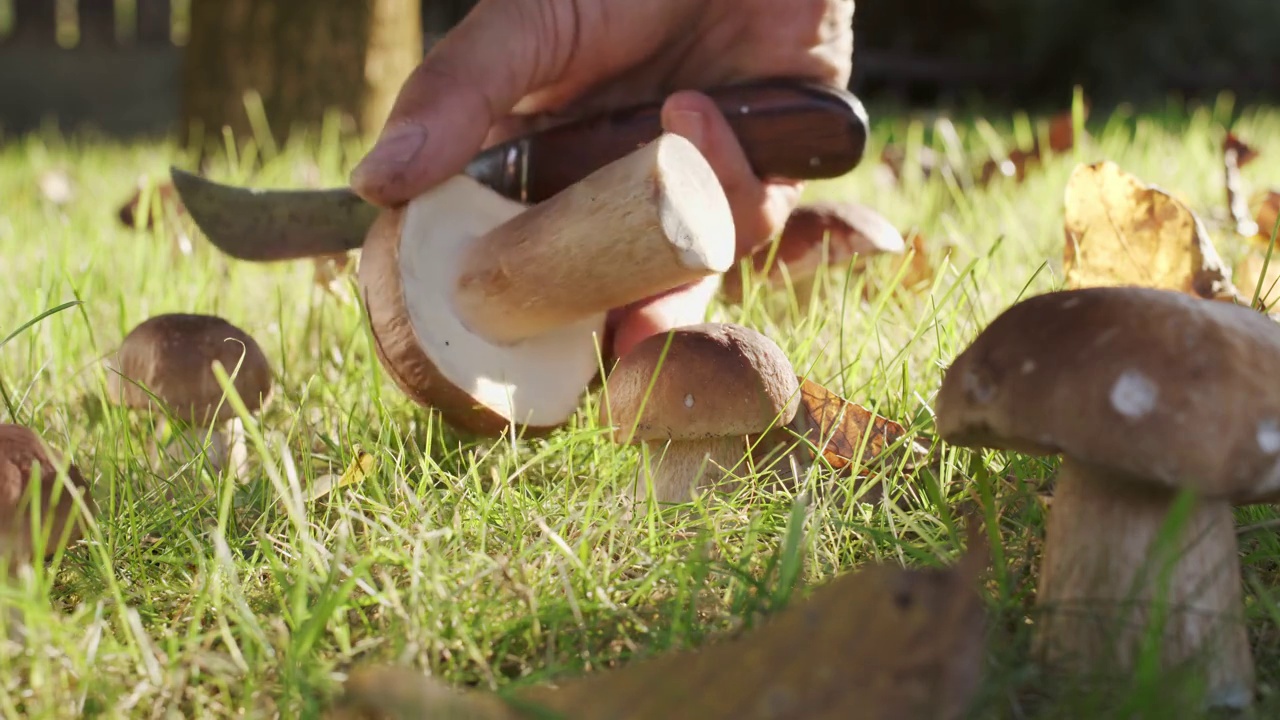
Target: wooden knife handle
789	129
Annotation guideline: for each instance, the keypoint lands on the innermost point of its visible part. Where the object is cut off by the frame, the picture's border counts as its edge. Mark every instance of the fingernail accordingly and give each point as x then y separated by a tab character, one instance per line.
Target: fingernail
688	124
394	150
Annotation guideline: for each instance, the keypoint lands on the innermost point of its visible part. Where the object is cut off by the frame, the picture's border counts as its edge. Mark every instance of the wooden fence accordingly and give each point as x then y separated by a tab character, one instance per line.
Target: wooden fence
114	65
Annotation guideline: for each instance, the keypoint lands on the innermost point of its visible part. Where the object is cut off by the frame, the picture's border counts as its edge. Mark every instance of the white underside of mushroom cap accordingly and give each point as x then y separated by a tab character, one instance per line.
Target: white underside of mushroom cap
538	381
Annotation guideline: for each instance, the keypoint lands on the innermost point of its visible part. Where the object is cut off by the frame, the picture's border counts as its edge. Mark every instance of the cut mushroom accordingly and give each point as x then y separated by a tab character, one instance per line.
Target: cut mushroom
693	397
171	357
817	236
491	311
21	450
1144	392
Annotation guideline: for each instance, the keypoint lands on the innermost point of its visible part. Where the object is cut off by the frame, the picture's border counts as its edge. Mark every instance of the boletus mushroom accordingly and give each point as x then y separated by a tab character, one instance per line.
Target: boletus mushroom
1145	393
21	450
695	397
492	311
171	357
817	236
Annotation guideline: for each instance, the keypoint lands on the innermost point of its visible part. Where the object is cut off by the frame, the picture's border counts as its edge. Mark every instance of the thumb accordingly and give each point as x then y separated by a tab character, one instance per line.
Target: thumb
498	53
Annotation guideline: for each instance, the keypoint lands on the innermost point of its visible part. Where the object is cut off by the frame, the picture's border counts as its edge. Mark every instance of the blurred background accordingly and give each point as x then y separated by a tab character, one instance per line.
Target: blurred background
147	67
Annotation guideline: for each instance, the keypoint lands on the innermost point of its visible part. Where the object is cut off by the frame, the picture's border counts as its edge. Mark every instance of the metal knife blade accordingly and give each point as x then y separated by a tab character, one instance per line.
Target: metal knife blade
269	225
787	128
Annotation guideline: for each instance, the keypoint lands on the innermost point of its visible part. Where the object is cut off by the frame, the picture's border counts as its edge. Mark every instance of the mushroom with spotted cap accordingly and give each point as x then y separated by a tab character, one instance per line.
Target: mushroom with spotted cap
694	397
1145	393
171	357
59	525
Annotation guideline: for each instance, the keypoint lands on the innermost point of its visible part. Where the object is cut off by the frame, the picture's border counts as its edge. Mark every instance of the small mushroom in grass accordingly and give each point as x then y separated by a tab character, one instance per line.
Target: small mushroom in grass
1145	393
162	202
171	357
694	397
21	449
816	236
492	312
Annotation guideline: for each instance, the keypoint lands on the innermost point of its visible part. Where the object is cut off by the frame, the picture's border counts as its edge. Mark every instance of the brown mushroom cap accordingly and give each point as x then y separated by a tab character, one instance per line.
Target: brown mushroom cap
20	450
1152	384
172	356
717	379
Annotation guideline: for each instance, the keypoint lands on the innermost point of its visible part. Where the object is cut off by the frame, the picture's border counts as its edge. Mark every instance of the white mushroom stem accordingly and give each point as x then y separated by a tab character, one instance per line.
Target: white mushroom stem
678	470
1104	578
224	446
646	223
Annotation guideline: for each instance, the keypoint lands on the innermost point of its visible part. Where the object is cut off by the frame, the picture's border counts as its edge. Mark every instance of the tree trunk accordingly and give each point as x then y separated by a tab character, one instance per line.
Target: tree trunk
97	23
34	23
155	22
302	58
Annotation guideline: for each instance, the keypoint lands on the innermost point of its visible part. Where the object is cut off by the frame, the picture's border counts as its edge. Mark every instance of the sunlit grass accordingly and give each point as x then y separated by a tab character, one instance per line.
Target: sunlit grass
484	563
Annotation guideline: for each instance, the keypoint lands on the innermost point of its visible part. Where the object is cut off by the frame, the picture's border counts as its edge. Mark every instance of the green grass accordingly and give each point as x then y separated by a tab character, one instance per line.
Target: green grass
489	563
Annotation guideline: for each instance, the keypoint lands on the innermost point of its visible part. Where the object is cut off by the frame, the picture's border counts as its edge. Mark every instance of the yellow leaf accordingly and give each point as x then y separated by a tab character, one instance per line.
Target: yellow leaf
1250	270
356	472
1121	231
1265	206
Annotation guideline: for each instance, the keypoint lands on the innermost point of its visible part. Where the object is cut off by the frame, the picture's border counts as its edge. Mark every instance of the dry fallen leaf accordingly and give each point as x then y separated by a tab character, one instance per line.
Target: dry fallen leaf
839	426
917	276
1061	136
1121	231
836	427
920	272
1243	152
882	643
1251	268
1235	155
1062	130
356	472
928	161
1265	205
1014	166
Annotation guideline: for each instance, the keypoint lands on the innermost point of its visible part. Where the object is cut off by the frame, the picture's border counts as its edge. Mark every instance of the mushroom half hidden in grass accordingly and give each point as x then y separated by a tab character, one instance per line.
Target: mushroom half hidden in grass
171	356
695	397
816	236
59	523
1145	393
493	312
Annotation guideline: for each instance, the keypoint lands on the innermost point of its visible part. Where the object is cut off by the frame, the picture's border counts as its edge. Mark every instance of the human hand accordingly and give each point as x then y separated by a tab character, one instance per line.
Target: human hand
512	66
